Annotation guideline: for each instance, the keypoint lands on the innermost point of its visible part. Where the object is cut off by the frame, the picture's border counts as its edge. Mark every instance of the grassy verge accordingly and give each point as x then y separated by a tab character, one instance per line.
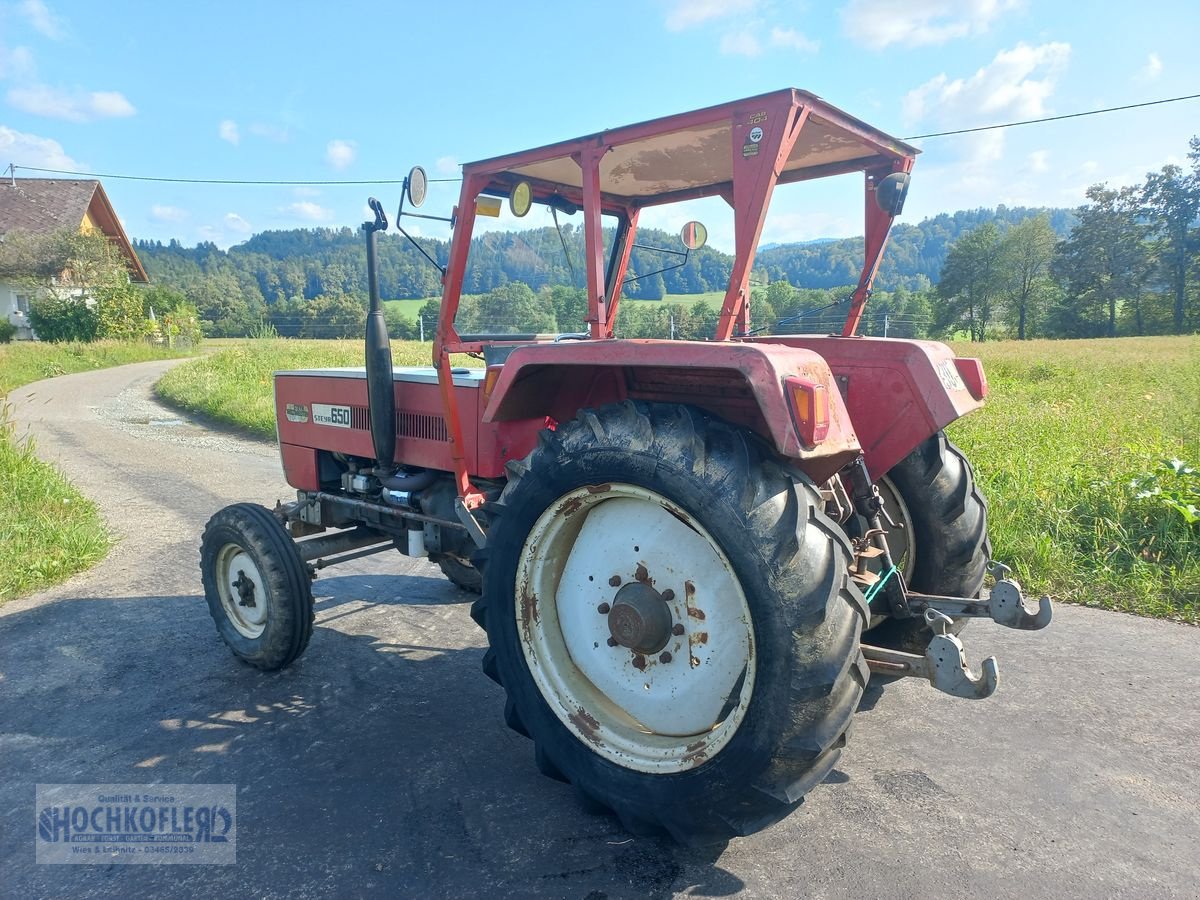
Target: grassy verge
1077	452
1072	452
235	386
48	530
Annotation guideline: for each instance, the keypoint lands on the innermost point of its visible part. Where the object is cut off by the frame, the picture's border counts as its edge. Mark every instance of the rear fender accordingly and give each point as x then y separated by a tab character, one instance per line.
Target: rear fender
898	392
741	383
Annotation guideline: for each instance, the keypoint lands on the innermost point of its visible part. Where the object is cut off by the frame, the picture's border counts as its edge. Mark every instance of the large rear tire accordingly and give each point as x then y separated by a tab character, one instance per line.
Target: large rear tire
670	615
944	547
258	590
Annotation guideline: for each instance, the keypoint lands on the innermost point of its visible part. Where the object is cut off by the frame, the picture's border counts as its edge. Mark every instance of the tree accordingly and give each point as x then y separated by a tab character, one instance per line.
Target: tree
1171	202
971	282
1026	252
80	285
1103	263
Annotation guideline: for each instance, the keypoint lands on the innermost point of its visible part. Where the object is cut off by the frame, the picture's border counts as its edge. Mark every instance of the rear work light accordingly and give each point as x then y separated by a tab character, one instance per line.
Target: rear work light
809	402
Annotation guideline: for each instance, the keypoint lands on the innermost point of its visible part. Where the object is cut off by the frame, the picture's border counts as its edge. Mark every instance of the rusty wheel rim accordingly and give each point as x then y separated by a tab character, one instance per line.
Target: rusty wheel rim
635	628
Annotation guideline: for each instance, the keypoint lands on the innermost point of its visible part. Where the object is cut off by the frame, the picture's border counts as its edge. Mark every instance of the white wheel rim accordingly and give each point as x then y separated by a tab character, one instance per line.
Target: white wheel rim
673	712
238	582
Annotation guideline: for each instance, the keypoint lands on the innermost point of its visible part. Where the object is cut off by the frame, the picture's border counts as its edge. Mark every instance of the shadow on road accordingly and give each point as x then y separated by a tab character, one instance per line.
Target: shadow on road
378	761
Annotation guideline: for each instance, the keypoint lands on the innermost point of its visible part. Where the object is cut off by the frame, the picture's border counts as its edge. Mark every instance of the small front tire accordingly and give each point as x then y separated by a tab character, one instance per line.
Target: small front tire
258	589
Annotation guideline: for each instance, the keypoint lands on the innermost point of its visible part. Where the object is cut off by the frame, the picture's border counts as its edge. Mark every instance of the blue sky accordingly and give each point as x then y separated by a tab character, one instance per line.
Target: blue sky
317	91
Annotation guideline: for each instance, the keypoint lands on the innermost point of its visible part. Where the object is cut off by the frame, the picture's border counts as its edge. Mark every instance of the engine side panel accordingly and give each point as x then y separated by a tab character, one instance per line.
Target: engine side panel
327	410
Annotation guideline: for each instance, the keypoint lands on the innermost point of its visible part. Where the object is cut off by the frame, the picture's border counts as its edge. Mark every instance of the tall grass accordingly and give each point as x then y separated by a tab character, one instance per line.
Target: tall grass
1082	452
1073	452
48	529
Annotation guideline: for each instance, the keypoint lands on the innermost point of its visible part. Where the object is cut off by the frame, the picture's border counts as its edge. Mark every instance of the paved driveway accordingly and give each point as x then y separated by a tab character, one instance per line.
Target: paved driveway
380	762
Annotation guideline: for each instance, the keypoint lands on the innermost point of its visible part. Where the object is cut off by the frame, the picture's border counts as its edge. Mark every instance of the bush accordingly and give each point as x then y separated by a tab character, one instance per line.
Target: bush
55	318
7	331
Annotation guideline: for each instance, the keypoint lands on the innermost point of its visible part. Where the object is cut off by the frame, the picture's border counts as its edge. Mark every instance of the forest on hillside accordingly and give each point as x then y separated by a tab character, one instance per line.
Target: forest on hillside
1123	262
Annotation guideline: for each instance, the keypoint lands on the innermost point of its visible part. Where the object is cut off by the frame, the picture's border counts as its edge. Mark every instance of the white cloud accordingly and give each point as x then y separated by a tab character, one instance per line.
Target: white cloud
792	39
16	63
689	13
916	23
237	224
1039	161
340	153
309	211
228	131
740	43
42	20
32	150
74	106
1152	69
163	213
446	165
1006	87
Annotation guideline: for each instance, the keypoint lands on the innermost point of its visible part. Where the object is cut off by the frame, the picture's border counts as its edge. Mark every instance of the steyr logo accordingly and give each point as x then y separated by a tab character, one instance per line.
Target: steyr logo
337	416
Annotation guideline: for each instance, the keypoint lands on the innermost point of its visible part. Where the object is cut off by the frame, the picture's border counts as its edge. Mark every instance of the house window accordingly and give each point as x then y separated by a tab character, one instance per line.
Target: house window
22	303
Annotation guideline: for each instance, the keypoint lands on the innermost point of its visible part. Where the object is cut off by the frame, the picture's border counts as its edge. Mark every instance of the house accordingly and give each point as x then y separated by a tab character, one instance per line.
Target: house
46	205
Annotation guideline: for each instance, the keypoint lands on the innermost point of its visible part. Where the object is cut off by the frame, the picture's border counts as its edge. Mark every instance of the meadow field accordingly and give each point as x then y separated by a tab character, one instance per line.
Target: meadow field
48	529
1086	451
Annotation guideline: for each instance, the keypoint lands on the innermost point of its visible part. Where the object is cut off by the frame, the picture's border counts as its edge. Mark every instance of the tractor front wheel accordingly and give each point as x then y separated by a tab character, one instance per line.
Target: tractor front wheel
670	615
258	589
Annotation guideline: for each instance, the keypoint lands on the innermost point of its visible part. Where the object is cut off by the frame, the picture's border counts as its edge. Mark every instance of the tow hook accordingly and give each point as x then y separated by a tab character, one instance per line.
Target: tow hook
944	664
1005	606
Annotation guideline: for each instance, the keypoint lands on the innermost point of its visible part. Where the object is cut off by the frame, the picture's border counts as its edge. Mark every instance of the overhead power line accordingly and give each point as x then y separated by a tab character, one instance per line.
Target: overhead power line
1076	115
378	181
221	180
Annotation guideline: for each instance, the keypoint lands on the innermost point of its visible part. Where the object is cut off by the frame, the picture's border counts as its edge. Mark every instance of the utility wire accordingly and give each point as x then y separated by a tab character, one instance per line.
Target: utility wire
250	182
1077	115
221	180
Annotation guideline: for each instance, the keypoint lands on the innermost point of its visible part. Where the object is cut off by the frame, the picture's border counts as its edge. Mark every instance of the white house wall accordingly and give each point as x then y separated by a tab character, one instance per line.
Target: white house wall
8	309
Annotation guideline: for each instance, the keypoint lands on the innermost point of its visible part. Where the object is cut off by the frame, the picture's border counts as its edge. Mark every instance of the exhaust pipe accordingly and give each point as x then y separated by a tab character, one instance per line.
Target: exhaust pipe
381	397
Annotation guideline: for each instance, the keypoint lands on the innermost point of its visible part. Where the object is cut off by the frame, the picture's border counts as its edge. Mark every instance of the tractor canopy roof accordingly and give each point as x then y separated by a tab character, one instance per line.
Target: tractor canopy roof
689	155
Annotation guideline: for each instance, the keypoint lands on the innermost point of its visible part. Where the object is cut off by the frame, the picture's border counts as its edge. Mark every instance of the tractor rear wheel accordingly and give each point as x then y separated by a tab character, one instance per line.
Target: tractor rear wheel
943	546
670	615
258	589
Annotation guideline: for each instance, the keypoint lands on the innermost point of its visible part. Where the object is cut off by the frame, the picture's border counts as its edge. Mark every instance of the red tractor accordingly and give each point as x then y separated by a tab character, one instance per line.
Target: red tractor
679	546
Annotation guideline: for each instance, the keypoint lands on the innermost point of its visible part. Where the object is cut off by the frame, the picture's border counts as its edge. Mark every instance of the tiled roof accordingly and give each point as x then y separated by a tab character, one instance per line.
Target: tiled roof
45	205
42	205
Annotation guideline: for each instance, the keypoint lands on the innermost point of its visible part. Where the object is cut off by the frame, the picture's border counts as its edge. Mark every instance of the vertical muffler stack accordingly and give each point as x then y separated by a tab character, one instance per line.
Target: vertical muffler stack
381	401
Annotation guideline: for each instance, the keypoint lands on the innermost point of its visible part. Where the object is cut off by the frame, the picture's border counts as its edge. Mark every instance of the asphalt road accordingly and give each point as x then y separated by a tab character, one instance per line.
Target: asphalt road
380	761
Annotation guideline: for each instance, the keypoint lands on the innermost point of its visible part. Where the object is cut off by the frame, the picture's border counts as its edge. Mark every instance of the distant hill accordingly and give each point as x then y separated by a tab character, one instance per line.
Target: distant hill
302	264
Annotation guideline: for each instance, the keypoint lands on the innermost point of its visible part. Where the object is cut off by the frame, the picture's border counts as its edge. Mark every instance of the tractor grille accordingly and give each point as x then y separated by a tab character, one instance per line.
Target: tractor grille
422	426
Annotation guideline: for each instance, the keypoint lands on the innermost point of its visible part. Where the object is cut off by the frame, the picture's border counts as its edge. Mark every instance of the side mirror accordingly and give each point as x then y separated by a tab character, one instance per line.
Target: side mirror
694	235
520	199
891	191
416	185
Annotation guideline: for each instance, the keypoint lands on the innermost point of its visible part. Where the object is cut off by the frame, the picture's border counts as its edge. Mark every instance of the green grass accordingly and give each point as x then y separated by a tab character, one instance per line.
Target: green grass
410	308
1072	433
234	385
1068	428
48	530
713	298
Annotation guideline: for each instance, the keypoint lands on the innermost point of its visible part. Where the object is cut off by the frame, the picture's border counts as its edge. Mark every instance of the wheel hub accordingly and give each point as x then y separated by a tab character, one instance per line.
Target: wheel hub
640	619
